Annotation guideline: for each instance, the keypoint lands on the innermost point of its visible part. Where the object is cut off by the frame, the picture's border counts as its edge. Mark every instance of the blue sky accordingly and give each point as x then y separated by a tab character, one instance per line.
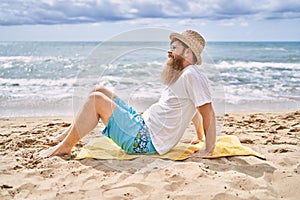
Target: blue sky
98	20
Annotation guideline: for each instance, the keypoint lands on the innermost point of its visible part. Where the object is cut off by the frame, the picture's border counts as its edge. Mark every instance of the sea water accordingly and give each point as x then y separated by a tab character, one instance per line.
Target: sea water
54	78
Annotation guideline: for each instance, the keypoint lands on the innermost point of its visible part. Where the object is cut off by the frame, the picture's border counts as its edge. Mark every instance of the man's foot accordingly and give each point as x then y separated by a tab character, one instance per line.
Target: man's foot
57	150
58	138
192	141
202	153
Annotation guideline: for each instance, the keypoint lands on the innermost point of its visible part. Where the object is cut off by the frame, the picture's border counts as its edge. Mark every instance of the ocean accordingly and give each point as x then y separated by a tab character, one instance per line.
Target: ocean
54	78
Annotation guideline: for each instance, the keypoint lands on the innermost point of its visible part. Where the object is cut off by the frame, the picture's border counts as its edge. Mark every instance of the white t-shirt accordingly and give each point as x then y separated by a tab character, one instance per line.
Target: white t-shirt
170	116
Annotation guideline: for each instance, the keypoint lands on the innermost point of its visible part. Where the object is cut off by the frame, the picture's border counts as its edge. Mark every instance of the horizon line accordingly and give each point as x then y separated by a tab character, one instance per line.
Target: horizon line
144	41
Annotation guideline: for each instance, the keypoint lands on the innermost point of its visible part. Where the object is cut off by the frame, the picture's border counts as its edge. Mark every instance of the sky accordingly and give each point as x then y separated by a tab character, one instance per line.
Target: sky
99	20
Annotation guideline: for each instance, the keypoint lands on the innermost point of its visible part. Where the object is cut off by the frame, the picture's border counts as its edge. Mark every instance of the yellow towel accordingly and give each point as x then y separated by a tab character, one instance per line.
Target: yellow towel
104	148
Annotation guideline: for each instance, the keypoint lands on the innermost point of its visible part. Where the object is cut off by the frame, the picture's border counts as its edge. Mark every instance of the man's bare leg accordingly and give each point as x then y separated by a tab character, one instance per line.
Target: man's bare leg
97	106
98	88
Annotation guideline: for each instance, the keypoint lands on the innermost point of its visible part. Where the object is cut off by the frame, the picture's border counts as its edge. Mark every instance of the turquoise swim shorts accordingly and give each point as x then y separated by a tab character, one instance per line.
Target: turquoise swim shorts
127	129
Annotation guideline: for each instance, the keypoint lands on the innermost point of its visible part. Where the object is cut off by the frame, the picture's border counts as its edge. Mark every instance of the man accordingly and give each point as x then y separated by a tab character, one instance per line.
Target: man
186	98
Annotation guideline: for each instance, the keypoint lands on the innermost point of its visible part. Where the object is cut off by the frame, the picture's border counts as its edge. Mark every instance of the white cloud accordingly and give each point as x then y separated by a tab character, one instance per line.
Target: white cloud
244	24
227	23
93	11
191	22
49	2
149	22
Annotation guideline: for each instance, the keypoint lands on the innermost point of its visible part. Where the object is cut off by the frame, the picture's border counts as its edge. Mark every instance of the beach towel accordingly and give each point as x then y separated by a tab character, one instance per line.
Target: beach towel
229	145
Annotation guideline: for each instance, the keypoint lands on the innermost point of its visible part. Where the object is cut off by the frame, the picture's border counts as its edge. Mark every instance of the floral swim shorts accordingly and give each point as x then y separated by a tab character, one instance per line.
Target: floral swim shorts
128	130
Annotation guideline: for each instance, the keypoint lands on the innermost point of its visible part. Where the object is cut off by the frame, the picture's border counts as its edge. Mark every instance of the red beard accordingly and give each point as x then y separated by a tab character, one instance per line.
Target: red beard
173	69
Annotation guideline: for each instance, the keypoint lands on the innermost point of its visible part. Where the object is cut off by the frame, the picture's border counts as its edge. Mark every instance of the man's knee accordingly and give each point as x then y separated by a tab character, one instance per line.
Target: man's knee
102	89
103	105
99	88
97	96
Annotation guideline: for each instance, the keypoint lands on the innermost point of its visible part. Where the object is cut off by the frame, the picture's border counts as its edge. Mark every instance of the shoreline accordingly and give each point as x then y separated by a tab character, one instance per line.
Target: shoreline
274	134
230	113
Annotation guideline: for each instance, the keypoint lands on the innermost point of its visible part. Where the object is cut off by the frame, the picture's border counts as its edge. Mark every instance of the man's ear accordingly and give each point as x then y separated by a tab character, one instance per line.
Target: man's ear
189	54
188	51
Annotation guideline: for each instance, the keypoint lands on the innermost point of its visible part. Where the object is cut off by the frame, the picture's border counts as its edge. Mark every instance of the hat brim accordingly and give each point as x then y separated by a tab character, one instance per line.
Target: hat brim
189	43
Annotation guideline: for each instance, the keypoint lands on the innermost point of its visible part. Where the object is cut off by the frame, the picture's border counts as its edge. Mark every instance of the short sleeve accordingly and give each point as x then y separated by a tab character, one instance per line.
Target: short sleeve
197	87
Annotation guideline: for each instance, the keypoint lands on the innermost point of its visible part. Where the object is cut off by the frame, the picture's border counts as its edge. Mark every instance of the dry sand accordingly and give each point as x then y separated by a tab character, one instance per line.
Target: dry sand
276	135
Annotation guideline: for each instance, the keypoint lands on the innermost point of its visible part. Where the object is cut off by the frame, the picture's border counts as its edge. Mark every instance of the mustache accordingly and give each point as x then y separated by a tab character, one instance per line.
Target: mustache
175	61
170	54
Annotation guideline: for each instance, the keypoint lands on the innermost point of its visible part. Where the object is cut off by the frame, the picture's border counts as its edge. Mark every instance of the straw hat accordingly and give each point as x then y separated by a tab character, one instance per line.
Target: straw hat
193	40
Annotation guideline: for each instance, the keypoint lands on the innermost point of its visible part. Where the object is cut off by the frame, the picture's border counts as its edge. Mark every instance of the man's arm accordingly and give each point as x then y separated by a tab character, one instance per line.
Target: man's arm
209	126
198	123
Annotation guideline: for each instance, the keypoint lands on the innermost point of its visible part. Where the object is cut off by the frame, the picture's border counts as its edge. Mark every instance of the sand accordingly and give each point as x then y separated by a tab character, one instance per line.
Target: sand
275	135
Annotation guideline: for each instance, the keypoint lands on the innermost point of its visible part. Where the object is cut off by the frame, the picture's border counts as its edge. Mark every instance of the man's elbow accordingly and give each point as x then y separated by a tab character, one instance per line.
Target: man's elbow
206	109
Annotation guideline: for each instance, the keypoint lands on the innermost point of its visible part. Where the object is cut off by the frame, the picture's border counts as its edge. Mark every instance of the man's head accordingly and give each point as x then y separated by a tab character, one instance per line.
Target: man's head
185	50
192	41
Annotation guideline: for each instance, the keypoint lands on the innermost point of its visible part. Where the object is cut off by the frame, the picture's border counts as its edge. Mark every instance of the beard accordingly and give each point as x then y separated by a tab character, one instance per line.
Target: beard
173	69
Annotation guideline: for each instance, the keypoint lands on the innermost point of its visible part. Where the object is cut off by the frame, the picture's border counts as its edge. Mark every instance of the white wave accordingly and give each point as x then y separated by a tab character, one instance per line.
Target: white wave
7	65
242	64
275	49
21	58
28	59
37	82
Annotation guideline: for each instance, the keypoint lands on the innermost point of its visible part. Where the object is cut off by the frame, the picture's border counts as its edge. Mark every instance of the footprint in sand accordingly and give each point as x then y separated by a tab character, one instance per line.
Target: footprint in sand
131	190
